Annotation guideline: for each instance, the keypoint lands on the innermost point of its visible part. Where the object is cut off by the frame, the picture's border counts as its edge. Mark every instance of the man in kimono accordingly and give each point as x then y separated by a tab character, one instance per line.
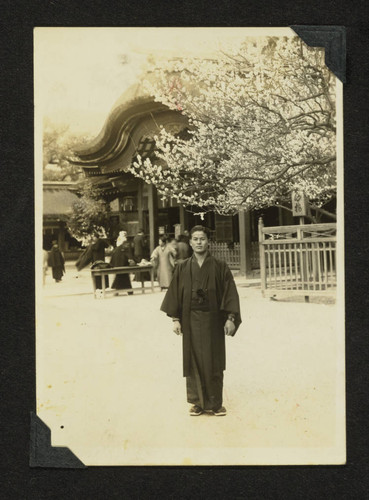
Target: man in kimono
139	246
56	262
203	302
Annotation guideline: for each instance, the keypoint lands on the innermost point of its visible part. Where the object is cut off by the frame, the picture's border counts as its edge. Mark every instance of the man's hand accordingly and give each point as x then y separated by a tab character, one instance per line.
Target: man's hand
229	327
177	327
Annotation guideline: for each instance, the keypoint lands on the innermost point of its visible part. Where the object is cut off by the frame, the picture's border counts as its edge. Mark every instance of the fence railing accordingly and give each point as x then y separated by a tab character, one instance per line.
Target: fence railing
298	260
231	253
226	252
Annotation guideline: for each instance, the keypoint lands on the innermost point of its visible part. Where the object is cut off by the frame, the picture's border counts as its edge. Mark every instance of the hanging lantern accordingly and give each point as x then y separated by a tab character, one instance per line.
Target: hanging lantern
128	204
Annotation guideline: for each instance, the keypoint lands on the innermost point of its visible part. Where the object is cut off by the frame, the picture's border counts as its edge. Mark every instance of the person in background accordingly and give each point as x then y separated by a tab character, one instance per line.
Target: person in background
98	246
56	262
45	257
139	246
186	235
95	254
186	238
140	251
174	244
122	256
183	248
122	237
163	259
203	302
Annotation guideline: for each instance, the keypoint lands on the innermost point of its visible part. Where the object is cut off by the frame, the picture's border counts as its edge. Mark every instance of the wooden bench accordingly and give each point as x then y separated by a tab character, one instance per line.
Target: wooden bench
121	270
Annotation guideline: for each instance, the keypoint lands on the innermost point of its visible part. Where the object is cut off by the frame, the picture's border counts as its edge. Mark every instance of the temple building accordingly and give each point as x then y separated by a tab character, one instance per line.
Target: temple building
128	131
58	199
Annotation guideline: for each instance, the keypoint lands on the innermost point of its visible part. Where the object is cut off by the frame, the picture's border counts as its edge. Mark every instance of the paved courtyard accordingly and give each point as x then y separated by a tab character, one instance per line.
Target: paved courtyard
110	385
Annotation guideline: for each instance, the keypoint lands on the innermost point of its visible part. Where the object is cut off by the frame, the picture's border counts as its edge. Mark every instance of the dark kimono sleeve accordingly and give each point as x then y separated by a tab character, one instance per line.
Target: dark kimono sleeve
230	299
119	258
84	259
114	258
172	303
129	251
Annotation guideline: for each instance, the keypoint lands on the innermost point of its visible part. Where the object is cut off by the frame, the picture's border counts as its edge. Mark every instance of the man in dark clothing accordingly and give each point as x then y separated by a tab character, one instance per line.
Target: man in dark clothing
140	251
56	262
139	246
183	247
98	254
121	257
94	254
203	302
98	248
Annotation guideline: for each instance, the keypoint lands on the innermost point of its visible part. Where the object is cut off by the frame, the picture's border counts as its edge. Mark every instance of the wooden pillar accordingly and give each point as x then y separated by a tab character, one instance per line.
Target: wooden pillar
61	236
245	242
153	217
183	219
262	256
140	204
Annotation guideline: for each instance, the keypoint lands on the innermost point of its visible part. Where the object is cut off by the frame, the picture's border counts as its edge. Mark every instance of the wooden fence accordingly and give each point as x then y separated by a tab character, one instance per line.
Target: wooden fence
226	252
230	253
297	260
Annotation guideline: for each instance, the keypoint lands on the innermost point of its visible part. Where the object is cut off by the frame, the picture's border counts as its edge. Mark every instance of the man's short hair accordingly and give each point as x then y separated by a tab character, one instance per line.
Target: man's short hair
200	228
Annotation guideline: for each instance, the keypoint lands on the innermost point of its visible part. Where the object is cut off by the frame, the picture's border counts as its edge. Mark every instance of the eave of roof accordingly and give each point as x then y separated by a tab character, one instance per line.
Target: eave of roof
117	143
58	200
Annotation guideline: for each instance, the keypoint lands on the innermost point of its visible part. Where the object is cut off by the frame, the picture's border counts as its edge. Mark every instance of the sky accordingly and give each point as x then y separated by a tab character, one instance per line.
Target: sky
81	72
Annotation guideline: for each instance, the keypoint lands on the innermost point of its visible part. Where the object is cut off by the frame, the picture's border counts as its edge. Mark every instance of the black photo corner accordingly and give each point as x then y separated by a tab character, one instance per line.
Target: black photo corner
31	466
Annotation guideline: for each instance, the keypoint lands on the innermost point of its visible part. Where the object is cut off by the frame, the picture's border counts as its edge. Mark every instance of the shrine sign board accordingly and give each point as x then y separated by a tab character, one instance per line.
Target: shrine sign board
300	204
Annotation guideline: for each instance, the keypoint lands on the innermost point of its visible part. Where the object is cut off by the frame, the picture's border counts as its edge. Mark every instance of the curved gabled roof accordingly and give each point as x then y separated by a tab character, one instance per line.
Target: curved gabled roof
135	115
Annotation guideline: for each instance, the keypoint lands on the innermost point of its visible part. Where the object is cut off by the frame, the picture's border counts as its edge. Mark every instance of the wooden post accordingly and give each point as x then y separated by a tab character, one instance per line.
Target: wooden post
153	217
262	256
245	242
61	236
140	204
183	219
303	259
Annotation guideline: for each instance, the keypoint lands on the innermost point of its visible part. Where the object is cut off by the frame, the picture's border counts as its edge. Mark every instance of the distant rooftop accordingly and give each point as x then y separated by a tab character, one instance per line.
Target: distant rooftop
58	198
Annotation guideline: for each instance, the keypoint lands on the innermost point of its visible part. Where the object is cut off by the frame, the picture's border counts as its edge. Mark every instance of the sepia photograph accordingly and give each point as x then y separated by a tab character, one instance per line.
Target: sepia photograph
189	242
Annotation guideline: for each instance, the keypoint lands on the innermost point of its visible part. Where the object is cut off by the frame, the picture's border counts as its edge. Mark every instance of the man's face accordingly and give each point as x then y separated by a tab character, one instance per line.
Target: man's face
199	242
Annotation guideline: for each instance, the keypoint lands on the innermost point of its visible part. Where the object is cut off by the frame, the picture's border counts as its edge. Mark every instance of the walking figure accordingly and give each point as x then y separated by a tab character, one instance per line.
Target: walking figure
56	262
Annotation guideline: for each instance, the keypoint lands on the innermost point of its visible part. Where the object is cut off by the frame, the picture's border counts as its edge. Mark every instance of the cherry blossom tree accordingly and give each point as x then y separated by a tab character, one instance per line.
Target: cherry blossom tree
261	124
58	147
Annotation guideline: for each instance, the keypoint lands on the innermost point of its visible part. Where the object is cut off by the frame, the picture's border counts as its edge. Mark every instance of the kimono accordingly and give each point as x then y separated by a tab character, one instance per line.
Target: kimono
183	250
94	252
140	251
201	298
163	259
56	262
98	250
139	247
120	258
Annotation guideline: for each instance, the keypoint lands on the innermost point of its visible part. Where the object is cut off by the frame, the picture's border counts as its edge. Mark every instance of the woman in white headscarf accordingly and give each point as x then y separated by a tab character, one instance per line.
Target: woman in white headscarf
121	238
